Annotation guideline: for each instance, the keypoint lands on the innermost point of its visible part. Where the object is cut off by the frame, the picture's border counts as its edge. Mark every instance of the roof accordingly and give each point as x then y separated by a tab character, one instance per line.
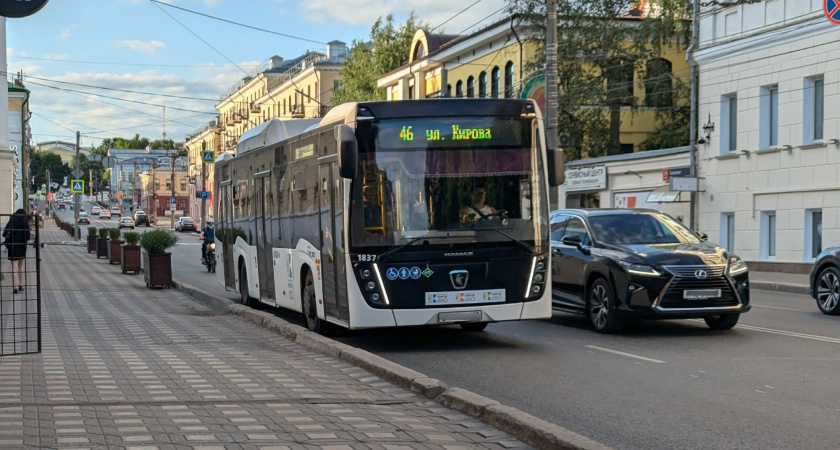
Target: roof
605	211
270	132
629	156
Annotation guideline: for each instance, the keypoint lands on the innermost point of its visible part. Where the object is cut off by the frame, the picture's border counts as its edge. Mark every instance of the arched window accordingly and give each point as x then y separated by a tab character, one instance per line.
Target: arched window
470	87
482	85
509	79
620	82
419	51
495	79
658	83
459	89
449	90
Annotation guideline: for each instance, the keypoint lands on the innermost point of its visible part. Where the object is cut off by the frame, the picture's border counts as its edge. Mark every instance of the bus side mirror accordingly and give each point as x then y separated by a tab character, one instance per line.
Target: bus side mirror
348	151
556	167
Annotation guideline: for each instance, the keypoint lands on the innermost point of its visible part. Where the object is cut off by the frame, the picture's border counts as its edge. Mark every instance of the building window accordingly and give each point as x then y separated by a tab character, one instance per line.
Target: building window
182	204
769	116
459	89
449	90
495	80
620	83
768	235
727	229
411	92
814	112
658	83
509	79
482	85
169	184
813	234
157	185
470	87
729	121
183	185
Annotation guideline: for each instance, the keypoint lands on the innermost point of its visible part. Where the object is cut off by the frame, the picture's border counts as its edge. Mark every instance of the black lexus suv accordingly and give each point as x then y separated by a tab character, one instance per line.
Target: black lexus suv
615	265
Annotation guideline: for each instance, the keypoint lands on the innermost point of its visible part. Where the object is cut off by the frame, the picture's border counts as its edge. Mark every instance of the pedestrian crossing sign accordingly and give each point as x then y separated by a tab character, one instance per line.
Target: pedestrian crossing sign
207	157
77	186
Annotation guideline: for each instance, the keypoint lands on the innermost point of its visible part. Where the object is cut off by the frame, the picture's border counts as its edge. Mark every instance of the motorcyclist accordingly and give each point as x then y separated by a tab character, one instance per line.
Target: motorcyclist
208	234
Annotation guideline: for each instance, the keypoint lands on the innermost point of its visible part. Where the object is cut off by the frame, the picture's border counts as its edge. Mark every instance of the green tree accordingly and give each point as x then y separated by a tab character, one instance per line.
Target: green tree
387	50
601	45
41	161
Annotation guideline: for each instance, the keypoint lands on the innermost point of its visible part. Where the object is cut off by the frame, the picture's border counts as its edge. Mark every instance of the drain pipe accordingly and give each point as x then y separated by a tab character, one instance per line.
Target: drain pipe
689	57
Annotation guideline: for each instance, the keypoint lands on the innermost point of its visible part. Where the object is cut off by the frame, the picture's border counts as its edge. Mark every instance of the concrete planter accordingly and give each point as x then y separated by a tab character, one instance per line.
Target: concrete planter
101	248
91	239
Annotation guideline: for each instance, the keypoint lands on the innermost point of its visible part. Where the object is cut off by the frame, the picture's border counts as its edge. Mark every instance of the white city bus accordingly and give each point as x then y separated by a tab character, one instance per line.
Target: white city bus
373	215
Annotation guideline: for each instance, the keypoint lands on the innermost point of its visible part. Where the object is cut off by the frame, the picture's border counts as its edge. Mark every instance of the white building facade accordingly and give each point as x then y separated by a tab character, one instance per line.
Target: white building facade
769	154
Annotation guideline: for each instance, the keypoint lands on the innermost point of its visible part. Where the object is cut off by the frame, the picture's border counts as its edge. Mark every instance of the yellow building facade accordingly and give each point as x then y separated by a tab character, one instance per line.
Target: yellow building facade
491	63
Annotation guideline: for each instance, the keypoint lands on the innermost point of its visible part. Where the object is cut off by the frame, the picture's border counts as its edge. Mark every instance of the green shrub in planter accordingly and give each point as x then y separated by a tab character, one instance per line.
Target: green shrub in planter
92	231
131	238
157	241
114	234
103	233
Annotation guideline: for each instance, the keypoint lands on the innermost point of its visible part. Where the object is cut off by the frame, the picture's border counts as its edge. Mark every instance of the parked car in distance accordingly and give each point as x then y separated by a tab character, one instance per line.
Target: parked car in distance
126	222
825	281
116	211
61	205
615	265
105	214
186	224
95	210
139	211
84	218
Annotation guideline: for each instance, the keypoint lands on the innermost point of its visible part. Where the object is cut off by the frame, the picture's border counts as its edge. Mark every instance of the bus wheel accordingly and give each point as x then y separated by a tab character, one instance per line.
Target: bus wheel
244	298
310	308
474	326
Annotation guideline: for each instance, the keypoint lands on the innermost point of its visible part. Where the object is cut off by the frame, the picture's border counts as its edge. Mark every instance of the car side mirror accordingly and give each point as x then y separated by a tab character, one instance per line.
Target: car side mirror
703	236
572	240
348	151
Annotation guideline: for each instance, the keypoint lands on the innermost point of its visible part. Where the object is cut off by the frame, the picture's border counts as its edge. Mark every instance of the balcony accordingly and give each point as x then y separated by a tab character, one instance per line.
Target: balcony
255	108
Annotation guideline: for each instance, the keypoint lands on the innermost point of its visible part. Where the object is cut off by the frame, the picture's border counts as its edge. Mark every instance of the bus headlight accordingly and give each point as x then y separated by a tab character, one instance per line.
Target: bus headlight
536	277
371	286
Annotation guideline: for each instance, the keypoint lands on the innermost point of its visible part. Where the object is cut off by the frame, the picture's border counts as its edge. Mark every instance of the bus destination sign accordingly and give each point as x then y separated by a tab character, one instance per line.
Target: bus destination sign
458	134
479	131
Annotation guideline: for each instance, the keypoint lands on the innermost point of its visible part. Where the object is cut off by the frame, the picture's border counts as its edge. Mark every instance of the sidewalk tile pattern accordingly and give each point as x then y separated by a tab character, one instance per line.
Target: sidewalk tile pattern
124	366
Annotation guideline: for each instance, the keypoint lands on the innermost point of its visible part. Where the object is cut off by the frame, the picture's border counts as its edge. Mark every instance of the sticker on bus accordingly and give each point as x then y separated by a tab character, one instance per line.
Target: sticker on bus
465	297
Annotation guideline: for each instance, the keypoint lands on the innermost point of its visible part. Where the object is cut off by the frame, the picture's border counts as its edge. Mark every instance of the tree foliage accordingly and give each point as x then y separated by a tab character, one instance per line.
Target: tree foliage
601	45
41	161
387	50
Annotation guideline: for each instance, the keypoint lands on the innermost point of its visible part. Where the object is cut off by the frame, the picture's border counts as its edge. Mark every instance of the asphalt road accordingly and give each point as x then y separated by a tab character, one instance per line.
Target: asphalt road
770	383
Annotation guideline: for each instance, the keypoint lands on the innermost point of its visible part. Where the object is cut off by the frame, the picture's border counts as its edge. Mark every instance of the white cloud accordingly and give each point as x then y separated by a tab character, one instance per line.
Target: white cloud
67	32
140	46
365	12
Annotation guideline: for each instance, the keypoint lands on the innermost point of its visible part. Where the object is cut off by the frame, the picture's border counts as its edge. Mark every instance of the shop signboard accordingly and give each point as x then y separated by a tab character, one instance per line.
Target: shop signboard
591	178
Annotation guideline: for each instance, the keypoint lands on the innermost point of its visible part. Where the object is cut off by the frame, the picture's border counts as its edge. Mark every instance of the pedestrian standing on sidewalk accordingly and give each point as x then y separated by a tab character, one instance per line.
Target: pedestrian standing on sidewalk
15	236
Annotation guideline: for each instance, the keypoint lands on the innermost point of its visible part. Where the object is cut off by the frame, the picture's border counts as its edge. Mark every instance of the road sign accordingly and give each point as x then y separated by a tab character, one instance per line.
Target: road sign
108	162
173	201
207	157
682	184
204	195
831	8
172	206
77	173
77	186
675	172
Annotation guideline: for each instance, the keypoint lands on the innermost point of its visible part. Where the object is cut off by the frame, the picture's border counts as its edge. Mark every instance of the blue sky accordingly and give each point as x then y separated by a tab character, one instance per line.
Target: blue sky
150	49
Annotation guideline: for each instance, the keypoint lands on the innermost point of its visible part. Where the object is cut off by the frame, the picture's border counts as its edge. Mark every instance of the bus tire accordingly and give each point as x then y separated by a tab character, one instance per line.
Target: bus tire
309	305
244	298
474	326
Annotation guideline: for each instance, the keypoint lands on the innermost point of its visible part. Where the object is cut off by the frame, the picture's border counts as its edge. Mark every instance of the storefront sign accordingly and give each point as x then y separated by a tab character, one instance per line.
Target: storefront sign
586	179
667	174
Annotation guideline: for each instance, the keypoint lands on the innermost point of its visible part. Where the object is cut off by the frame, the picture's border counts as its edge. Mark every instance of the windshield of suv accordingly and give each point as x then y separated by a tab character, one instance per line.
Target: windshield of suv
640	228
449	177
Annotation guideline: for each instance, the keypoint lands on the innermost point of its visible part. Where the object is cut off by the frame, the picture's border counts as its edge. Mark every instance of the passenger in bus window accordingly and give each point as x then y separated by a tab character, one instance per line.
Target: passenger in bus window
478	209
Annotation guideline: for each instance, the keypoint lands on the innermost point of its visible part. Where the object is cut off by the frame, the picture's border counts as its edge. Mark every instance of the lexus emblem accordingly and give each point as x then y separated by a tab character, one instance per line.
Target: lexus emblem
459	278
701	274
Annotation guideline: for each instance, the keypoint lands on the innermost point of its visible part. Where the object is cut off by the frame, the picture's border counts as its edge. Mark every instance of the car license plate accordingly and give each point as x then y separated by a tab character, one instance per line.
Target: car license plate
701	294
465	297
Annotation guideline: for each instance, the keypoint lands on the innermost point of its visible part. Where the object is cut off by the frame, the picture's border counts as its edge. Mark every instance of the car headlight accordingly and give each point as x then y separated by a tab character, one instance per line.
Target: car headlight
737	266
640	269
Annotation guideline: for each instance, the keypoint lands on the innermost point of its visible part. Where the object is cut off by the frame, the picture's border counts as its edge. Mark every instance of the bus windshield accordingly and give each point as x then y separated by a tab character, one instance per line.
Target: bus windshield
475	179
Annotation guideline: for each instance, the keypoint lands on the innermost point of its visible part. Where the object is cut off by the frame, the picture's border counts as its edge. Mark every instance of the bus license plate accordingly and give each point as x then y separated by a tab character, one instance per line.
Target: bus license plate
465	297
701	294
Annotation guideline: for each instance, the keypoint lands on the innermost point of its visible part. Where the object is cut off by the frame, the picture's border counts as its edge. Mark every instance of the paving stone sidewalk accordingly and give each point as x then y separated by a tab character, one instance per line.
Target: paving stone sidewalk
124	366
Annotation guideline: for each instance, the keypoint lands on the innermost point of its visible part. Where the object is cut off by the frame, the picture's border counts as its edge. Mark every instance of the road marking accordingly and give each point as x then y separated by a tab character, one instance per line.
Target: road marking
784	309
791	334
630	355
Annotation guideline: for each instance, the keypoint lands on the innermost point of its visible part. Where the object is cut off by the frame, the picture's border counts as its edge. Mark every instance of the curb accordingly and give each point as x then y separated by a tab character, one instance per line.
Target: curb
790	288
525	427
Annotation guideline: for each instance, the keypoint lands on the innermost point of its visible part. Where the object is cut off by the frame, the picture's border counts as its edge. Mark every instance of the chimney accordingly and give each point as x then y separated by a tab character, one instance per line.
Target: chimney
336	49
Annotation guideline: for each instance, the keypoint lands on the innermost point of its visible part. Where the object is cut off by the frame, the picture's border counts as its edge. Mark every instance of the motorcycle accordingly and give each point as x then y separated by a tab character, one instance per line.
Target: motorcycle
210	257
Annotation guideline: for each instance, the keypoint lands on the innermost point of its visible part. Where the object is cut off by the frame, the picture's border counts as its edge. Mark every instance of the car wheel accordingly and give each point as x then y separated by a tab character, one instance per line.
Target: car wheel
310	308
474	326
722	322
600	308
828	291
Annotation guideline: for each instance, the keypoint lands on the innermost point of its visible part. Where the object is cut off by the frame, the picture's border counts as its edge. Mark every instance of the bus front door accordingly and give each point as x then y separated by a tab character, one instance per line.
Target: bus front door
333	266
265	218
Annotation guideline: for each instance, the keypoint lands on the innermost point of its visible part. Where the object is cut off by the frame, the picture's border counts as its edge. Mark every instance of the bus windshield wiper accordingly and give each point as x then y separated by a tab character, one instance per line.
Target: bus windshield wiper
531	250
411	241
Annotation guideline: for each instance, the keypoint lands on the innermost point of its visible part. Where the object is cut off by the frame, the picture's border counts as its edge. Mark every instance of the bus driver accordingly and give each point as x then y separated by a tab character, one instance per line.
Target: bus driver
478	209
